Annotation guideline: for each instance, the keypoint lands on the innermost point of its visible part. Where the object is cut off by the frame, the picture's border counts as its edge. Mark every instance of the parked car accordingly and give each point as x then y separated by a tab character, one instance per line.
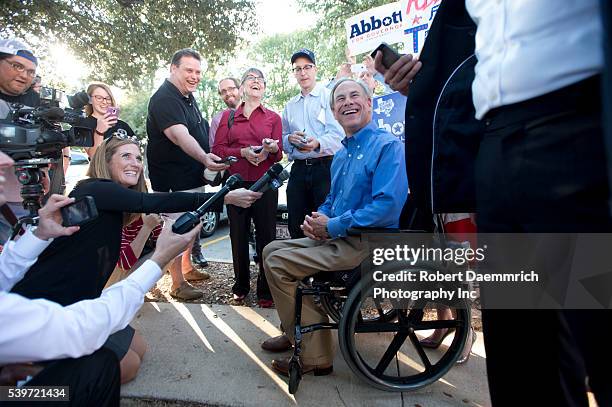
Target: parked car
78	158
79	162
212	220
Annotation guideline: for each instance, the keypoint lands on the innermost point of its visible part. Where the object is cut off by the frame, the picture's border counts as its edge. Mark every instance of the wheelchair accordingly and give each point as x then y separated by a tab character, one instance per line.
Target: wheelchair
378	338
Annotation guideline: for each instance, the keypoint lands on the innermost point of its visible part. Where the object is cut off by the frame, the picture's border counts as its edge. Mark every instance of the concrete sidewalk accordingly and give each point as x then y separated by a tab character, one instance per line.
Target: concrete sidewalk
211	354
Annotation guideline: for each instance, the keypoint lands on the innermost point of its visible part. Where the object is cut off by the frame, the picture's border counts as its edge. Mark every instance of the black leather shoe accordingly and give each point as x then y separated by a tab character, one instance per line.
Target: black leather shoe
199	260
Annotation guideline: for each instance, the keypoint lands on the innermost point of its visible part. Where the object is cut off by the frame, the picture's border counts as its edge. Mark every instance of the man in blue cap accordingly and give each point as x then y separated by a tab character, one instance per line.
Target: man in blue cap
311	137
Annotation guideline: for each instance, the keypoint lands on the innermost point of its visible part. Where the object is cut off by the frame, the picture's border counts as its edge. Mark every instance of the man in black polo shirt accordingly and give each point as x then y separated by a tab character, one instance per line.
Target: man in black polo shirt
178	150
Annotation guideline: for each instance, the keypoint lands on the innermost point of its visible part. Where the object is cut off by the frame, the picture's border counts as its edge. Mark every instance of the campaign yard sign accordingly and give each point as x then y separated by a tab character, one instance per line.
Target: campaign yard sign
418	16
380	24
388	113
405	21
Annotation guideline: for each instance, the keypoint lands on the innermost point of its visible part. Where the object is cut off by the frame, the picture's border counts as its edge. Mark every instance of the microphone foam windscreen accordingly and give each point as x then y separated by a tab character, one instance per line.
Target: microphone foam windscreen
78	100
276	169
233	180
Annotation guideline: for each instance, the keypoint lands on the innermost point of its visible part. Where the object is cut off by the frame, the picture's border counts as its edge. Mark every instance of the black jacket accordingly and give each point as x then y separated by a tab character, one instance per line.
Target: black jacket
442	91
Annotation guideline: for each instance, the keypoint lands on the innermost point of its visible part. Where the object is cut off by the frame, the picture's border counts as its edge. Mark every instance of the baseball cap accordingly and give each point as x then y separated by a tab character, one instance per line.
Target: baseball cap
13	46
304	52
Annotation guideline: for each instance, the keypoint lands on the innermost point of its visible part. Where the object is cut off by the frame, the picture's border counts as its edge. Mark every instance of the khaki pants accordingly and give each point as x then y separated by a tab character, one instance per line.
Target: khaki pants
286	263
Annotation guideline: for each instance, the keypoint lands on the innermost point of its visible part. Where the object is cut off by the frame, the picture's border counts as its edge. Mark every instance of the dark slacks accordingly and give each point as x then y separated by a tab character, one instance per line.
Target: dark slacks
307	188
541	168
93	380
263	213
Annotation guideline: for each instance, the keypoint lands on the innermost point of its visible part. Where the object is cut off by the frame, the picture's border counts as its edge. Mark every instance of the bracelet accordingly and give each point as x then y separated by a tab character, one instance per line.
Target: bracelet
98	133
66	156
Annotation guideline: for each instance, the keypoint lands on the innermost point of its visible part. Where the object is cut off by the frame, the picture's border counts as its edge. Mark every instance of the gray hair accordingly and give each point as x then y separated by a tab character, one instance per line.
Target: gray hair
364	87
255	71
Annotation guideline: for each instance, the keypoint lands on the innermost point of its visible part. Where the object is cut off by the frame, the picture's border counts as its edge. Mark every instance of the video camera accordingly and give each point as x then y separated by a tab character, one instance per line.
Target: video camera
34	133
34	139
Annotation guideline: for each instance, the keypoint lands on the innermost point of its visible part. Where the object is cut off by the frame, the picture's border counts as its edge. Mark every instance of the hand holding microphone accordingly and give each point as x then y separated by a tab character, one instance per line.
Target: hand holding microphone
189	220
264	183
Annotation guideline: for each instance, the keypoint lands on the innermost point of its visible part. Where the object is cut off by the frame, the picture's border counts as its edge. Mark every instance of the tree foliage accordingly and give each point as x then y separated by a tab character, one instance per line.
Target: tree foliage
273	55
334	12
127	40
134	112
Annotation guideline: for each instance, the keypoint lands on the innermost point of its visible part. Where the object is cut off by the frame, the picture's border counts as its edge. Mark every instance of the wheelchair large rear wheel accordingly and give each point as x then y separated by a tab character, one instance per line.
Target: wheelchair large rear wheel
385	352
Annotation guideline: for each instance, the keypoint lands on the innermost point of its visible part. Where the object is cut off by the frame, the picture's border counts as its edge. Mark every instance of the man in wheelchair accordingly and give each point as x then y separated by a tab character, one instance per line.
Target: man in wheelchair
368	189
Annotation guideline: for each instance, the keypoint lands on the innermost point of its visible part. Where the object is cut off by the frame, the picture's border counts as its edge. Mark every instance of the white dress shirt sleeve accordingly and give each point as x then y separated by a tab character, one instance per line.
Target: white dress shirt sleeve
36	330
331	139
287	147
17	257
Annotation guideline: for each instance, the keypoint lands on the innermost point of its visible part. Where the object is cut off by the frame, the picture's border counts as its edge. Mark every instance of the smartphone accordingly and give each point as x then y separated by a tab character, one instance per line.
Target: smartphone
229	160
113	111
257	150
389	55
304	140
358	68
79	212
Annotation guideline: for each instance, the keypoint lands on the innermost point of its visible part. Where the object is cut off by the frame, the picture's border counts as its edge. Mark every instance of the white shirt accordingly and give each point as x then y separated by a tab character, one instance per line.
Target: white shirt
36	330
313	115
527	48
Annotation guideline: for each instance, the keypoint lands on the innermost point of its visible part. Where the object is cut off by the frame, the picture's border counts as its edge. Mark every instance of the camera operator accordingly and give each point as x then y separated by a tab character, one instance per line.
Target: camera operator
17	72
76	330
18	66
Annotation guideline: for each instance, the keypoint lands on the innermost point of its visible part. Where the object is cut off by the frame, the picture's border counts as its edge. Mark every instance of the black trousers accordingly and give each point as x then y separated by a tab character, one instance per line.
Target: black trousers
263	213
93	380
307	189
541	168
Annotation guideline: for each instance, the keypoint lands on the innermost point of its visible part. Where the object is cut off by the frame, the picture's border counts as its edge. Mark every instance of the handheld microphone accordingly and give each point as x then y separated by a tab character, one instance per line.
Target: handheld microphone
276	182
189	220
262	182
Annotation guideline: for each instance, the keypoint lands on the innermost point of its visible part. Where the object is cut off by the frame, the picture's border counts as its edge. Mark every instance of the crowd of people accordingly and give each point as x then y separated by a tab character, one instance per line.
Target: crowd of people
510	112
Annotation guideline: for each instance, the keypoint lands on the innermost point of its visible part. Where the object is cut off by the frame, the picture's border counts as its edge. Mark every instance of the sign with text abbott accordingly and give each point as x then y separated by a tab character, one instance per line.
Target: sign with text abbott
366	30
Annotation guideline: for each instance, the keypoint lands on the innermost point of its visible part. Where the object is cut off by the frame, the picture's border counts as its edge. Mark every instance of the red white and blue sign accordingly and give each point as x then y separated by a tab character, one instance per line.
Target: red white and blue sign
388	113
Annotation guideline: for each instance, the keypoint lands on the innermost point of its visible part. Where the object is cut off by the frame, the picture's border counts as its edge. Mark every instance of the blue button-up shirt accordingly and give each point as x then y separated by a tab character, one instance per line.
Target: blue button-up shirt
369	184
312	115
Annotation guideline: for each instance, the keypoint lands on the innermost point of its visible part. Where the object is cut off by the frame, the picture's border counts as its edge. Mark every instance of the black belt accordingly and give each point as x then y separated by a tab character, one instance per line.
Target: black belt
314	161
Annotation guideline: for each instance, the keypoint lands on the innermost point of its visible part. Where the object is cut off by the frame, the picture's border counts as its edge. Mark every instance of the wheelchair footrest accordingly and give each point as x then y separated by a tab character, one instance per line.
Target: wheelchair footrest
315	327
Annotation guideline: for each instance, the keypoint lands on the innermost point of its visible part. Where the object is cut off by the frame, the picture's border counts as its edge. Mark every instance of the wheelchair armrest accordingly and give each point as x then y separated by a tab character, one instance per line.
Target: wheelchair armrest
362	231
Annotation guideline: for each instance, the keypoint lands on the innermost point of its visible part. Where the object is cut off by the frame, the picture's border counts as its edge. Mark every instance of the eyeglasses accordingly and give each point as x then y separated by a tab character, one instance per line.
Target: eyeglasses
306	68
20	68
228	90
100	99
252	78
